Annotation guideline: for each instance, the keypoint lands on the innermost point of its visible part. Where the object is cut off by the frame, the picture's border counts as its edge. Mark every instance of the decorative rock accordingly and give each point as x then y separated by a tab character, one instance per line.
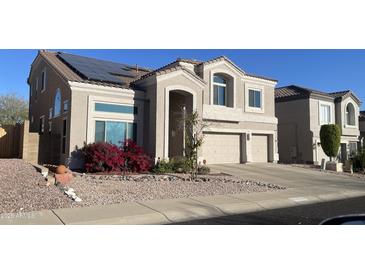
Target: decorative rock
61	169
63	179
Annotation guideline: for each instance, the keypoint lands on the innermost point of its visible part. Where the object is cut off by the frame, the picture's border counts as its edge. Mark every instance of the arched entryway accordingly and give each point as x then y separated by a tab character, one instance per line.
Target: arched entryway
181	104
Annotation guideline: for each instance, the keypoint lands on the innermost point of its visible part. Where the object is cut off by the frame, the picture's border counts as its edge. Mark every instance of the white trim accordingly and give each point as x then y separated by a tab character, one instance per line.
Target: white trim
259	88
211	85
323	103
49	126
166	112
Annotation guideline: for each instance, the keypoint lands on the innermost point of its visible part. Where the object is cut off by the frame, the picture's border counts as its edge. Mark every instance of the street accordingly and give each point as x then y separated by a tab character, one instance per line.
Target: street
306	215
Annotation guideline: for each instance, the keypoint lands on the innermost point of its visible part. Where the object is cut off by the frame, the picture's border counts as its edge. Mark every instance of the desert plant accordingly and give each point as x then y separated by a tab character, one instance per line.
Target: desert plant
163	166
180	165
193	127
102	157
135	159
330	140
203	170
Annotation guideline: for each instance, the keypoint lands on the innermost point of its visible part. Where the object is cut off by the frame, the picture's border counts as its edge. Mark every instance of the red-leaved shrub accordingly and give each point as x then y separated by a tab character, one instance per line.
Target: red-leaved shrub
102	157
136	159
106	157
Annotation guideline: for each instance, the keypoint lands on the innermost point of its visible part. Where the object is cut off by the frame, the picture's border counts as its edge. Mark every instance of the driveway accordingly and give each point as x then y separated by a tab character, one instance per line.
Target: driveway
295	178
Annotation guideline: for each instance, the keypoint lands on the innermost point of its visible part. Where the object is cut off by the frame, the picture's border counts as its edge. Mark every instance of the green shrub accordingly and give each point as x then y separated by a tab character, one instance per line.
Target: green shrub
203	170
163	166
180	165
330	140
359	160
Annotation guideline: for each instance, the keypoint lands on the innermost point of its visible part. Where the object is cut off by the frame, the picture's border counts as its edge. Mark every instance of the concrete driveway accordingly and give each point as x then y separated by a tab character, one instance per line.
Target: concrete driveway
298	178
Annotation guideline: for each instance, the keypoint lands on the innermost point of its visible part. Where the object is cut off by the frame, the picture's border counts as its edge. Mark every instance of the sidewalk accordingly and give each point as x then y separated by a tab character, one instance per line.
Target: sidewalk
179	210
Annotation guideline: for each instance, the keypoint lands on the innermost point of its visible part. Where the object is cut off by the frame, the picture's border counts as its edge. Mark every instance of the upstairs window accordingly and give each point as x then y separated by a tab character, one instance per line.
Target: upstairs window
65	106
43	80
219	90
254	98
325	114
57	103
350	115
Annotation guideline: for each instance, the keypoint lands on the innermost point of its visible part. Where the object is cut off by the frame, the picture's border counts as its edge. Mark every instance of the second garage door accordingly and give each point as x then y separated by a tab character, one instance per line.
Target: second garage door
259	148
221	148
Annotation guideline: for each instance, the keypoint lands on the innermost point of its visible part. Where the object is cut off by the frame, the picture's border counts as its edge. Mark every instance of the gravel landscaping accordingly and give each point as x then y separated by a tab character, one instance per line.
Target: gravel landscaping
21	188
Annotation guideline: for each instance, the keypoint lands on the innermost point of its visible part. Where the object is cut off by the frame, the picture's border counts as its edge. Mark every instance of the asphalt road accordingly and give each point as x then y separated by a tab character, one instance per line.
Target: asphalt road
303	215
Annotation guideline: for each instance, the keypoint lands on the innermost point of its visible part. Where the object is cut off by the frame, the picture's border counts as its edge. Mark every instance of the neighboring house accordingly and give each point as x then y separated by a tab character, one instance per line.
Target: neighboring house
362	127
76	100
302	111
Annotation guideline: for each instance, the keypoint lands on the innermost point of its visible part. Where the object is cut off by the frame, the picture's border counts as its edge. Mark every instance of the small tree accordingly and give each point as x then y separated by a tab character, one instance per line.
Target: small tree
330	140
193	127
13	109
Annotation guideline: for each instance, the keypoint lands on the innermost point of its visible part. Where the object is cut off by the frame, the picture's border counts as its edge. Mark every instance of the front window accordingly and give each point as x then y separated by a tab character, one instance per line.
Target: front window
350	115
325	114
57	103
115	132
254	98
219	90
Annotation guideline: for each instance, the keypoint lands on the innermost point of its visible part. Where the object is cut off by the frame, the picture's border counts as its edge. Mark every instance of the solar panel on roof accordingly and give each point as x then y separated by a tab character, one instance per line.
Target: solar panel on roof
97	70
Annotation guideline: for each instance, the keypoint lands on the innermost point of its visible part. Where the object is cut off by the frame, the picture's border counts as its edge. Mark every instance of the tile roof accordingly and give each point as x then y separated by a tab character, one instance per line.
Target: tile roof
296	92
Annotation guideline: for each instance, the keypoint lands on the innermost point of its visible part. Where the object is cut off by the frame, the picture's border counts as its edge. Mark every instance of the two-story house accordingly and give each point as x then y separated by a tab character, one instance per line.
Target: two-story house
302	111
76	100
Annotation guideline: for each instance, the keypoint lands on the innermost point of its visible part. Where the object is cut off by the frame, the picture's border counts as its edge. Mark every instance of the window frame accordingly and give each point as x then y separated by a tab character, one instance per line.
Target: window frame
347	124
222	85
64	135
68	106
58	91
43	80
259	89
120	121
254	92
321	122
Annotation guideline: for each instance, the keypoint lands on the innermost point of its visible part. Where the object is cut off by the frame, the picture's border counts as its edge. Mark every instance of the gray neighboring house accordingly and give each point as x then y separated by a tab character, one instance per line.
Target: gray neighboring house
362	127
301	112
76	100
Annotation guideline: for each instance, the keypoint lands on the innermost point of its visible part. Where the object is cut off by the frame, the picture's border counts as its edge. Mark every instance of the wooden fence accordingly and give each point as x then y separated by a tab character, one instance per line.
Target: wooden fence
17	142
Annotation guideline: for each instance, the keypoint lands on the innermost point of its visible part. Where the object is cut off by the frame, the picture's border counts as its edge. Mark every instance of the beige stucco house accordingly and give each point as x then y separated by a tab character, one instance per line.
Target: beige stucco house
302	111
76	100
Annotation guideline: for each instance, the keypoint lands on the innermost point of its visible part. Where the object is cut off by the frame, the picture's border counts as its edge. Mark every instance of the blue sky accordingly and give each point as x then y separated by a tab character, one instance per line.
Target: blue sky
325	70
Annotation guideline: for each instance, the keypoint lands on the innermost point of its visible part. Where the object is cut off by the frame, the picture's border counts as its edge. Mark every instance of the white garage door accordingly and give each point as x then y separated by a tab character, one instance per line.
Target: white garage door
221	148
259	148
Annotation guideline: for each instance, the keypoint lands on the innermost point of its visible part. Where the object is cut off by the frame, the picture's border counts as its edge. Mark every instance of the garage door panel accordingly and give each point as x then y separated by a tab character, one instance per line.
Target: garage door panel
221	148
259	148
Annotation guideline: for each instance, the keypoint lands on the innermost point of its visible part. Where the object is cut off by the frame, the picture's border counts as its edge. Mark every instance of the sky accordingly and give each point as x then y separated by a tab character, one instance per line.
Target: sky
324	70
